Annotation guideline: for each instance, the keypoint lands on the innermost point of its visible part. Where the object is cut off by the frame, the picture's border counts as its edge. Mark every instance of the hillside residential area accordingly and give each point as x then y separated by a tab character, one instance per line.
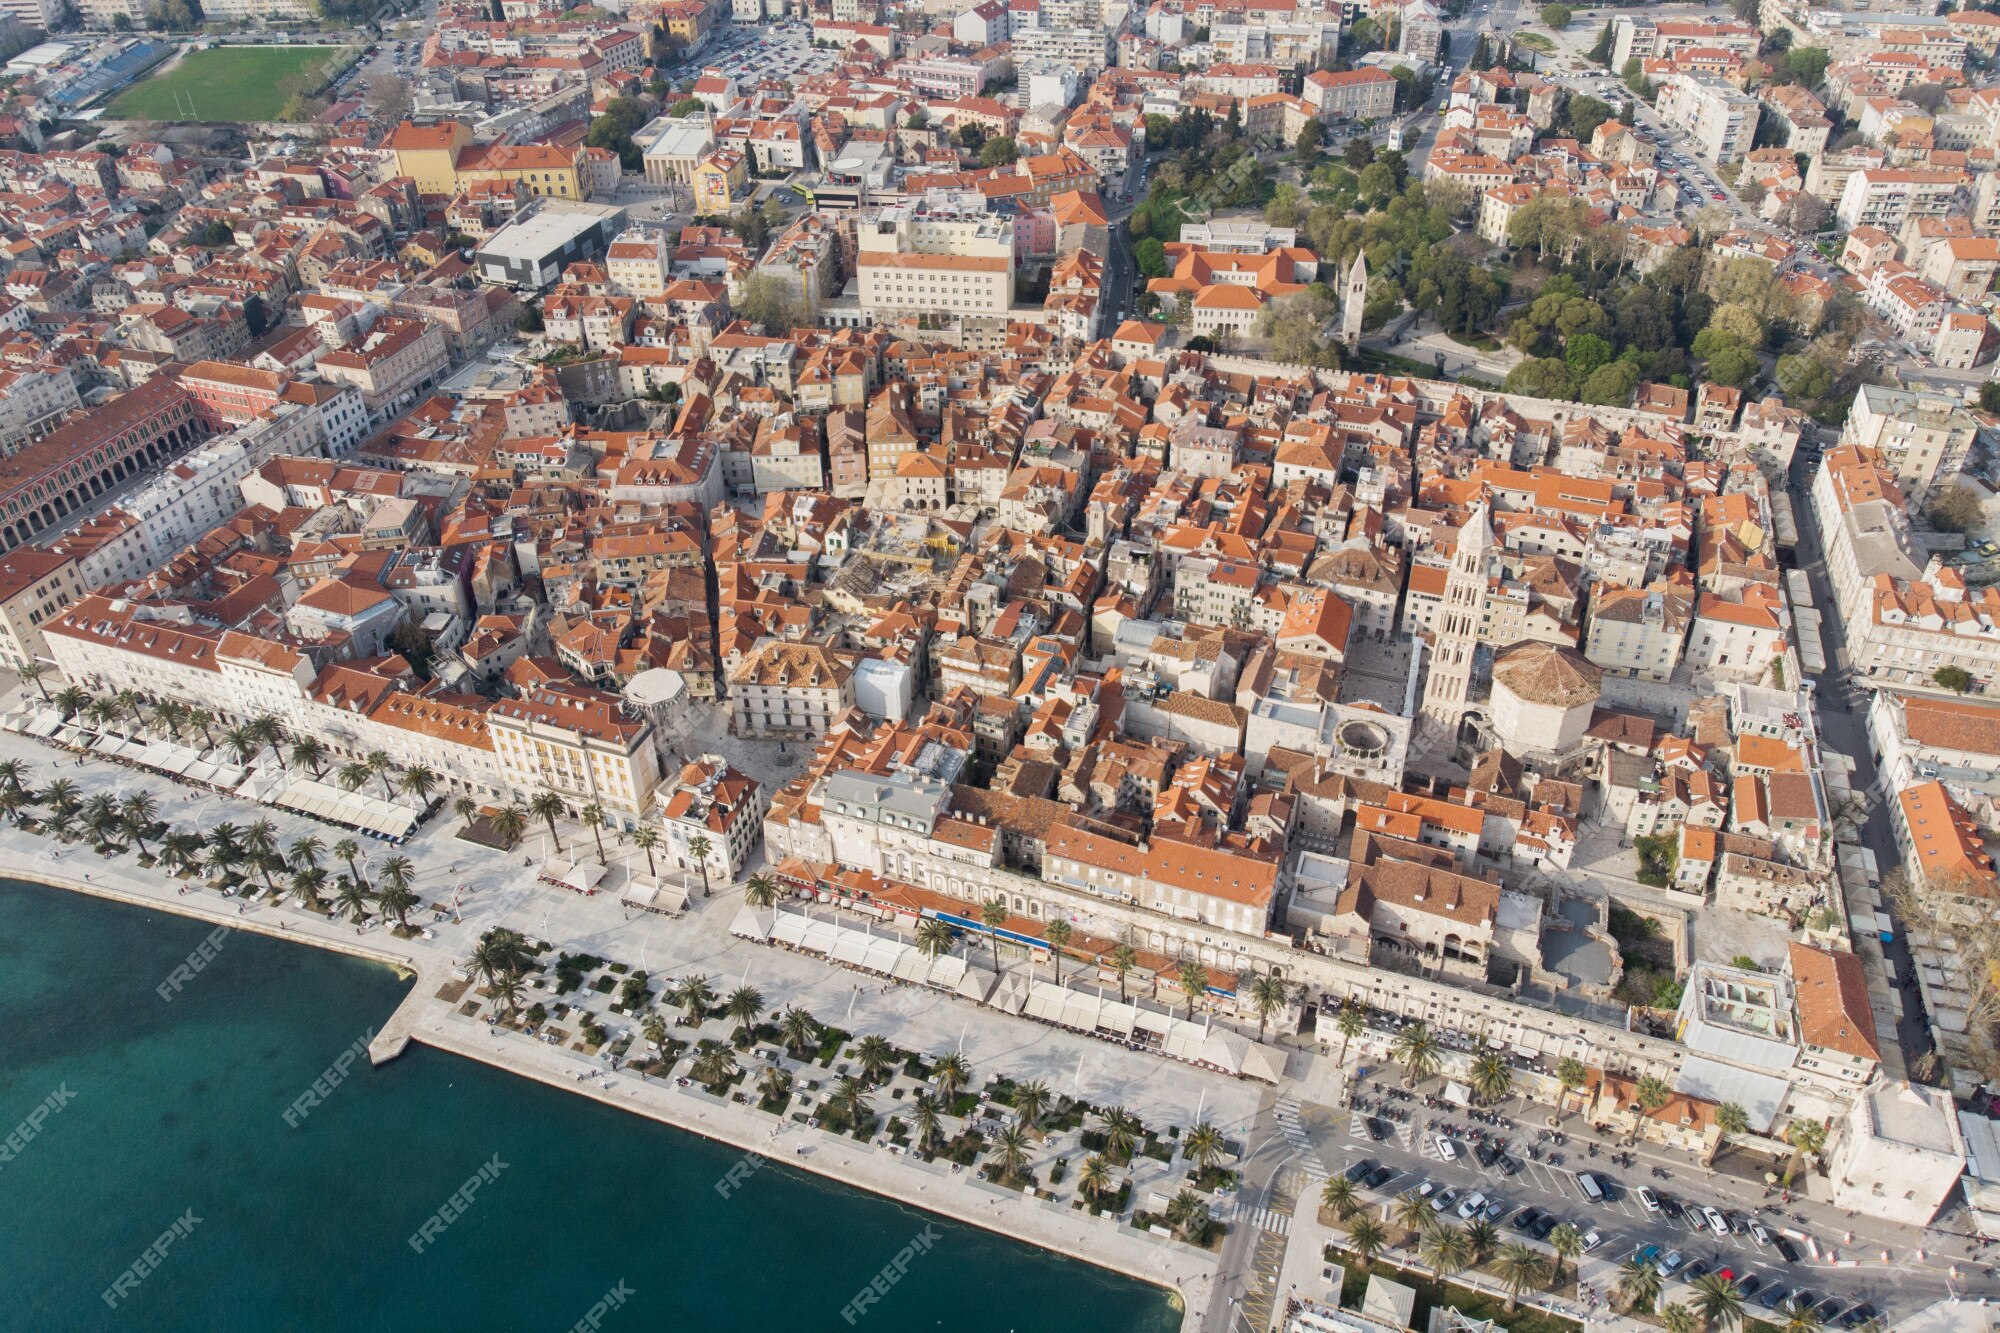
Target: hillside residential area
1320	546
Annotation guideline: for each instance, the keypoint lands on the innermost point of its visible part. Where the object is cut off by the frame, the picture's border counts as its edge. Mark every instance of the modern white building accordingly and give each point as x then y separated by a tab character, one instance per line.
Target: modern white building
1897	1154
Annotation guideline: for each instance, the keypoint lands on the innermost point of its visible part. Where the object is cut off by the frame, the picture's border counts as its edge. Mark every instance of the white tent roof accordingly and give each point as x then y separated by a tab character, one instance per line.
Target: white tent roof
976	983
790	928
1012	995
322	800
912	967
583	876
753	923
947	970
1113	1016
650	896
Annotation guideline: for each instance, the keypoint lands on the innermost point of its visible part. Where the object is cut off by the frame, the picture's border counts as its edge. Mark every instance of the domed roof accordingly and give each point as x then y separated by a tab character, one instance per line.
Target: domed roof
1548	673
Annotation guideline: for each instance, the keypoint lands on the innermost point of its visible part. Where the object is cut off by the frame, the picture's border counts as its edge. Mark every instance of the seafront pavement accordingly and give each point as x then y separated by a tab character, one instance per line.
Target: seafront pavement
499	890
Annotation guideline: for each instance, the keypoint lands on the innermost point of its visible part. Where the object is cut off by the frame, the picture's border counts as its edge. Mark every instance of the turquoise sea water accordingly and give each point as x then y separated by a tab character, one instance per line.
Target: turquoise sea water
155	1110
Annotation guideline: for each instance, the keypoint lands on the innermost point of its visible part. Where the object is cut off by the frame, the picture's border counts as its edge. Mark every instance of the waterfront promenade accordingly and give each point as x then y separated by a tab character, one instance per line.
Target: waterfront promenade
497	889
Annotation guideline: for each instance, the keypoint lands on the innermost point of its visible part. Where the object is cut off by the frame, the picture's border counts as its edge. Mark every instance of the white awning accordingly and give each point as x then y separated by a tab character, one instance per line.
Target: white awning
912	967
651	896
947	970
1045	1003
1080	1011
851	948
790	928
44	724
883	955
1113	1016
753	923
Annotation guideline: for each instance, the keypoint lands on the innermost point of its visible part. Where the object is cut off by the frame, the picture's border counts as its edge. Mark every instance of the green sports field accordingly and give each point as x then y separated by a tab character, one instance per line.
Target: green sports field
223	83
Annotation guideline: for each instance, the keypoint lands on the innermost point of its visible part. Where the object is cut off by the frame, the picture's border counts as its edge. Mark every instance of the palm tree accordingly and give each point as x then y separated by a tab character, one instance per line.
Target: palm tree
1094	1181
646	838
1123	959
1718	1302
546	806
699	848
419	780
654	1030
500	952
103	713
714	1063
1679	1319
307	850
60	799
1492	1077
506	988
268	731
309	754
1730	1120
1652	1093
17	803
32	673
347	849
1567	1242
1638	1284
1341	1195
380	765
1204	1146
1121	1133
799	1030
100	820
1519	1267
1057	933
201	720
1572	1074
465	808
1413	1213
170	715
1350	1021
139	812
130	704
353	776
927	1115
875	1055
746	1005
1010	1151
395	897
951	1073
1807	1137
850	1101
1268	994
71	701
1187	1212
592	816
509	823
1420	1051
180	852
934	937
260	840
351	898
1031	1101
224	847
1366	1238
1481	1236
993	916
1445	1249
13	774
242	744
775	1083
694	995
1194	984
307	881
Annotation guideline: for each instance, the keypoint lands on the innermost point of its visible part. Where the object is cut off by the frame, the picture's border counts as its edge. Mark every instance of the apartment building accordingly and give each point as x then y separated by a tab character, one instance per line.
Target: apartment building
1638	632
1353	94
35	587
712	801
1887	197
582	744
396	360
790	689
1922	437
1719	117
911	258
1636	37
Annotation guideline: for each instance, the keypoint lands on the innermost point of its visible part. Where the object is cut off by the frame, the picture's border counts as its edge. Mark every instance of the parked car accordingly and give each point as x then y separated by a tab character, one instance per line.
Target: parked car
1648	1200
1361	1170
1443	1200
1748	1284
1858	1316
1716	1221
1524	1221
1592	1239
1378	1129
1474	1202
1786	1250
1694	1271
1447	1149
1377	1178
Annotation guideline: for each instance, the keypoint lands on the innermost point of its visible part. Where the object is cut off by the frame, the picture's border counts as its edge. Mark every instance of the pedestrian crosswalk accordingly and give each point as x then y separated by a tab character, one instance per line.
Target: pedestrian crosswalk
1266	1220
1286	1112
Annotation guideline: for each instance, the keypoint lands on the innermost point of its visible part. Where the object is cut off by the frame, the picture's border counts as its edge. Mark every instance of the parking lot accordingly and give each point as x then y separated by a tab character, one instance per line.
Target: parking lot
1786	1256
781	50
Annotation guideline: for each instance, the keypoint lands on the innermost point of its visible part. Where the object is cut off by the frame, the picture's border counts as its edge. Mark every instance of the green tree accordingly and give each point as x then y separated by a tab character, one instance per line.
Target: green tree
1567	1242
1151	258
1638	1284
1610	386
768	300
1719	1302
1445	1249
1606	40
1541	377
1956	679
993	915
1956	509
1585	353
1194	984
1341	1196
1492	1077
1420	1051
999	152
1268	994
1555	16
1366	1238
